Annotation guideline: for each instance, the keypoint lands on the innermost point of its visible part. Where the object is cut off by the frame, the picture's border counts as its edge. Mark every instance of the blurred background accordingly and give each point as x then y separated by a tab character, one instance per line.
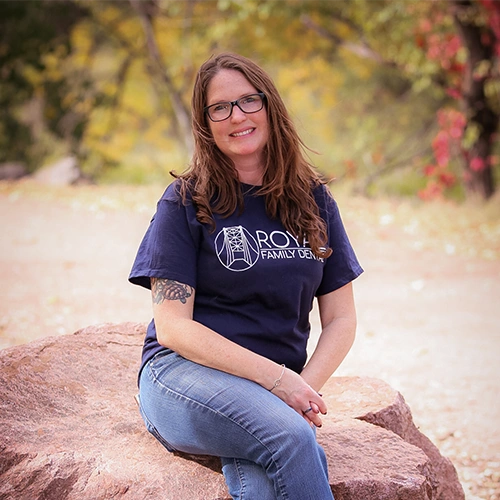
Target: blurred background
399	103
396	97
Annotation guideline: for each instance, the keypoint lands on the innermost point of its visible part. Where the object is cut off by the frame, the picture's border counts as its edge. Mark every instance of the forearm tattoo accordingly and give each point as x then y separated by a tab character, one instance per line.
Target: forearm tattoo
169	290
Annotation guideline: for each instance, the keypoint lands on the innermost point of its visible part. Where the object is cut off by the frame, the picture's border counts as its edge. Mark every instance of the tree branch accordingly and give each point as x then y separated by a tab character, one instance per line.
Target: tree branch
361	49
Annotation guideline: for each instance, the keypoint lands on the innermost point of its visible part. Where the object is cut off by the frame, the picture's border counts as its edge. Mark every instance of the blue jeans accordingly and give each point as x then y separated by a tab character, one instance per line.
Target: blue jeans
268	450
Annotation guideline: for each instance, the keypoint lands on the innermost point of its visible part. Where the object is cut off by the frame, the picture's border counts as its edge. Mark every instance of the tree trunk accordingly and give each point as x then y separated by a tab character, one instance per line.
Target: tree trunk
480	114
181	112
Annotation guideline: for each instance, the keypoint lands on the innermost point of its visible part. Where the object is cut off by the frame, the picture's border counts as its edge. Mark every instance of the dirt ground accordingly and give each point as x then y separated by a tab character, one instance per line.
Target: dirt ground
428	302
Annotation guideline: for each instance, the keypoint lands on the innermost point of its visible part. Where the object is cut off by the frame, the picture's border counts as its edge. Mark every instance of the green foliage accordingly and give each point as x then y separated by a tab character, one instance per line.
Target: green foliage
33	35
81	78
403	182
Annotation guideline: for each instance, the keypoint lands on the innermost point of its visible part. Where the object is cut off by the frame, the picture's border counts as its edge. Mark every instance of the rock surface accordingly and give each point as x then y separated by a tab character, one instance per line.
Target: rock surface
70	429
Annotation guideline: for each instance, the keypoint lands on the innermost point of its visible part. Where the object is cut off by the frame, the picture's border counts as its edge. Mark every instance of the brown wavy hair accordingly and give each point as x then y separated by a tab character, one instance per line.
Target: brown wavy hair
289	179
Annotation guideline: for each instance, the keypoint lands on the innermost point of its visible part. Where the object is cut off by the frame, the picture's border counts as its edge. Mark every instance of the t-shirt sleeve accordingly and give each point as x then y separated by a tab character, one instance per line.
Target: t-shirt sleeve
168	249
342	266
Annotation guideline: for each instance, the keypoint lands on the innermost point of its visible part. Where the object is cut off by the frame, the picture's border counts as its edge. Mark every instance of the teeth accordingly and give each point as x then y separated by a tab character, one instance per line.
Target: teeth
246	132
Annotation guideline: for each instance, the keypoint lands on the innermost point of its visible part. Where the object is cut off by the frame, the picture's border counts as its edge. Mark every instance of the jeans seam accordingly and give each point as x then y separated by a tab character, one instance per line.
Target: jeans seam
241	478
186	398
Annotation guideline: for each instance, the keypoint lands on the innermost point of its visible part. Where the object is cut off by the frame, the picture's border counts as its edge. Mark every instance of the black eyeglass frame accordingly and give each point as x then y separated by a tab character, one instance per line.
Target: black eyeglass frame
235	103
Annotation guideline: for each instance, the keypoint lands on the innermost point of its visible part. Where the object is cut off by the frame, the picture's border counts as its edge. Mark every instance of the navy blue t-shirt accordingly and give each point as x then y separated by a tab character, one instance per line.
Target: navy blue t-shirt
255	283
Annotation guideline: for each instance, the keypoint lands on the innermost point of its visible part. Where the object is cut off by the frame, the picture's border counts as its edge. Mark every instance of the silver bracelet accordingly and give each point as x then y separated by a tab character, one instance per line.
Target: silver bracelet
277	382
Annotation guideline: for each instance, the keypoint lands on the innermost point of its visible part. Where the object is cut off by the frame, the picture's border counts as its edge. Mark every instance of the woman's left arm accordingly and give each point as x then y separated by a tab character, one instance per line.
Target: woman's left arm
338	327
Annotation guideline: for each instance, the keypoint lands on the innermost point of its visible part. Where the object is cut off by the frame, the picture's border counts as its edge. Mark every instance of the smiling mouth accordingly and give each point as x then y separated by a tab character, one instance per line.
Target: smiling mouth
241	134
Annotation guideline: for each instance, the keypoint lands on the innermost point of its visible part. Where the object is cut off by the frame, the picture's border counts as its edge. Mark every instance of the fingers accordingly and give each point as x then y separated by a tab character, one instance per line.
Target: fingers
315	408
298	394
320	404
312	414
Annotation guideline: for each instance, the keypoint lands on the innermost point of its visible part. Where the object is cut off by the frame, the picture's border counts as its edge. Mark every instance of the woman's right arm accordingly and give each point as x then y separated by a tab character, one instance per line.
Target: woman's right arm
175	328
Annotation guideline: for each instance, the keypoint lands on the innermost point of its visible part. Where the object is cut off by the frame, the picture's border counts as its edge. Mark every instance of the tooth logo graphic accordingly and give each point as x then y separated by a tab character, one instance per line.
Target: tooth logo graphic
236	248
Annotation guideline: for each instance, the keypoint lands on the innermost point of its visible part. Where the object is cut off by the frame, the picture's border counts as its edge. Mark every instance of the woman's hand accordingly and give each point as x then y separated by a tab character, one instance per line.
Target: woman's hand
300	396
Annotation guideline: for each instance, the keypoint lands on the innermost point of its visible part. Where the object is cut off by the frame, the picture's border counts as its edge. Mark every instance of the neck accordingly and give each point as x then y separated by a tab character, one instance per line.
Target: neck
250	174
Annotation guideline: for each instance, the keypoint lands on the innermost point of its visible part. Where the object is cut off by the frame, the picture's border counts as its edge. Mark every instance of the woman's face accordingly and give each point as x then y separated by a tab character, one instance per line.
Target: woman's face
242	137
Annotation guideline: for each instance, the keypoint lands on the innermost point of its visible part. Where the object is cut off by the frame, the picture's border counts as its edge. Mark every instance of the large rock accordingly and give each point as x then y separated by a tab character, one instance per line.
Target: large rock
387	459
63	172
12	171
70	429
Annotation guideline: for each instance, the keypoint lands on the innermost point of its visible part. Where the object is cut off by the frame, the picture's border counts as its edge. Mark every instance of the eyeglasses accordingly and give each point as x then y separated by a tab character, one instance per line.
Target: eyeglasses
223	110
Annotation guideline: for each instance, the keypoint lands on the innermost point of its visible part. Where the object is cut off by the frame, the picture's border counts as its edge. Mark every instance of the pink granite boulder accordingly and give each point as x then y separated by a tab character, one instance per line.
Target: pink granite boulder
70	429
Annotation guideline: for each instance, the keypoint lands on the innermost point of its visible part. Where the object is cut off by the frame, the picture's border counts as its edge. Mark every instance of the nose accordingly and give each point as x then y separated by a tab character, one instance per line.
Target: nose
237	115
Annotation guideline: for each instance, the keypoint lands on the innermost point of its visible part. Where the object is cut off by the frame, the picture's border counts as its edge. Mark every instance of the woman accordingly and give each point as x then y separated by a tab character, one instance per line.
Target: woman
239	247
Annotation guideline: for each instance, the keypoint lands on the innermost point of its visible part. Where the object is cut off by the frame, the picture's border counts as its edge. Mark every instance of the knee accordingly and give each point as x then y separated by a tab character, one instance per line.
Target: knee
297	435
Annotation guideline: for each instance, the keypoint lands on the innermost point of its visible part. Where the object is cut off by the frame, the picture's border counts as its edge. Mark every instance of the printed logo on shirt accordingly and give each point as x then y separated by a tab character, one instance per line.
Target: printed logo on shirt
238	250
